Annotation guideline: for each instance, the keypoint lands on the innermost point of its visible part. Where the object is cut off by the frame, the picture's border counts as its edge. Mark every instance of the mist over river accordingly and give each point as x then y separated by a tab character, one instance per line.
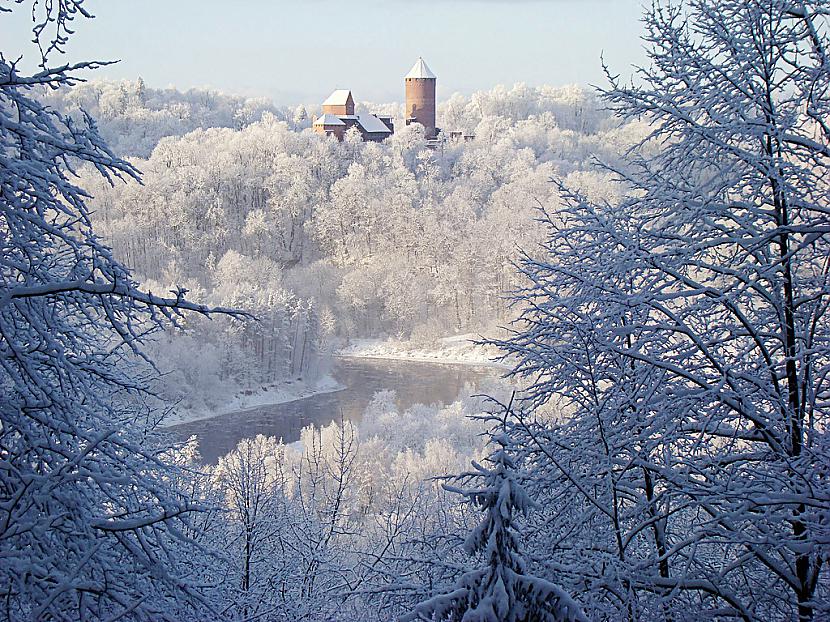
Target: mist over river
413	383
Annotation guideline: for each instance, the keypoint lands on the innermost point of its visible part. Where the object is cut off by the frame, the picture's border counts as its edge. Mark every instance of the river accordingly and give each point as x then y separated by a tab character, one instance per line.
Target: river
413	382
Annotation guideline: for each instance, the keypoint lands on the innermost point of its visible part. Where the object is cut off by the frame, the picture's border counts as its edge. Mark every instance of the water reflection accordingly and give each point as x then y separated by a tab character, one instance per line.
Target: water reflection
414	382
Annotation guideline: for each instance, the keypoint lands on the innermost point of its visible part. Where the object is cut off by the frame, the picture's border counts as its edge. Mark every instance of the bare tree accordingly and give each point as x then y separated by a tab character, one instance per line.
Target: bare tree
247	478
91	526
685	330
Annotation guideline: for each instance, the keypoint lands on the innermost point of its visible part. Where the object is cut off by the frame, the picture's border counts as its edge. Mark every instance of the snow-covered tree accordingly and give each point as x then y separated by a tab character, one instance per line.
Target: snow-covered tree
92	525
684	330
399	238
132	117
501	590
246	478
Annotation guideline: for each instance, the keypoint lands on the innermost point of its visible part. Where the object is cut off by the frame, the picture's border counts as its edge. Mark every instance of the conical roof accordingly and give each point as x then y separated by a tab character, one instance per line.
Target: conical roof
420	70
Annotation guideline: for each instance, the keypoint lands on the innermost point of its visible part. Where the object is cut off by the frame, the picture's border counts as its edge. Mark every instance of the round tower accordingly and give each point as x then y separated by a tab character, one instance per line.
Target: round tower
420	97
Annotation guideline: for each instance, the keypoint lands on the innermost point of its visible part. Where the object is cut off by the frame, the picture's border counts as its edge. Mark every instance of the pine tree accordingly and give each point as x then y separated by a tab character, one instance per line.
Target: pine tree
501	590
141	91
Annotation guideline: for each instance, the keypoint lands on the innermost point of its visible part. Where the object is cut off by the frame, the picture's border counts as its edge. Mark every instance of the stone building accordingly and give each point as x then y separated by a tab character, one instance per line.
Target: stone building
339	117
339	110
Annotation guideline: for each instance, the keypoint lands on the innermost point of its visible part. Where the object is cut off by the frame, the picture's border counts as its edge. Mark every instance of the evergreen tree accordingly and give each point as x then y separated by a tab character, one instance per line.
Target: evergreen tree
501	590
141	91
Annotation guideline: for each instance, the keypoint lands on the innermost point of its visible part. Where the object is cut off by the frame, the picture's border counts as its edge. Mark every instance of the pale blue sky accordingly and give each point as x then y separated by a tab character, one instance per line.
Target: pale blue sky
299	50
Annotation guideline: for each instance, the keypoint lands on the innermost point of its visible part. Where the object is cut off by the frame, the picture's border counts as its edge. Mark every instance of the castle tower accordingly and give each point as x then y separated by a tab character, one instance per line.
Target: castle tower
339	103
420	97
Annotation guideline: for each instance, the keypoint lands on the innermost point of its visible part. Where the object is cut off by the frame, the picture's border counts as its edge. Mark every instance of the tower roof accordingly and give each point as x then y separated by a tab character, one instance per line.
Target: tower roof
338	98
420	70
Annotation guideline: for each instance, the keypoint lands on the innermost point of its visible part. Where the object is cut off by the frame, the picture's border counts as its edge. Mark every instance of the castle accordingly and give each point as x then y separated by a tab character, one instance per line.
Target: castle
339	116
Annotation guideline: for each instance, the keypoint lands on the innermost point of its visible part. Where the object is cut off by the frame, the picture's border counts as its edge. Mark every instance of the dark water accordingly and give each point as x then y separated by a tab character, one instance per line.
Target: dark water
413	382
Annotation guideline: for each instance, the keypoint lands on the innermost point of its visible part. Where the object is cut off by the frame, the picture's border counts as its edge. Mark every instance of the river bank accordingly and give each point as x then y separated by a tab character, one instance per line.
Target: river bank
455	350
409	382
278	394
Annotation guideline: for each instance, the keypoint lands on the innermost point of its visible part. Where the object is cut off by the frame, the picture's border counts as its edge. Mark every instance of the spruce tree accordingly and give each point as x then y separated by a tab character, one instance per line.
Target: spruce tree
500	590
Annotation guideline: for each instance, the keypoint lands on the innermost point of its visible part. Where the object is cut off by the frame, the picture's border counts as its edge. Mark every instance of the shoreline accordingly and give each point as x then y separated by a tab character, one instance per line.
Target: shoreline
456	350
282	394
401	358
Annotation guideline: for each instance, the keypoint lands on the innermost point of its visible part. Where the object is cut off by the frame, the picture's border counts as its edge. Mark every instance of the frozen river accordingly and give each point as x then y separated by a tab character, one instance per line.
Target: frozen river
413	382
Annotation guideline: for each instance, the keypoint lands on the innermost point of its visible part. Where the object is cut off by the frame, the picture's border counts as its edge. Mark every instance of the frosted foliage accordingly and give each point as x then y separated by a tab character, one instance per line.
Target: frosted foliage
94	522
406	429
682	326
400	239
571	108
133	118
668	461
340	520
501	590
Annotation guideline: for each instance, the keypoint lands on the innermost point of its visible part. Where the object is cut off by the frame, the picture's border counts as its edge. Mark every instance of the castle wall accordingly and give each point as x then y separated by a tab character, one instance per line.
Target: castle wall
339	131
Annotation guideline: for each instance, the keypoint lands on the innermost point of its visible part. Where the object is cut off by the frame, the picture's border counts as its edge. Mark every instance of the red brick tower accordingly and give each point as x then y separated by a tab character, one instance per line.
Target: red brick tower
420	97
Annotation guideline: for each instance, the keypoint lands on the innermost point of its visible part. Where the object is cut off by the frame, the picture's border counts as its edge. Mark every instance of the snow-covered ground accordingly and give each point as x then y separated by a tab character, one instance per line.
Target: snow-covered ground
456	350
281	394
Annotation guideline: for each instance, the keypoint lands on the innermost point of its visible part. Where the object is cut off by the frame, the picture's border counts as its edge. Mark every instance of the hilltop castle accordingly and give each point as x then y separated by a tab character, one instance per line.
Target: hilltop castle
339	116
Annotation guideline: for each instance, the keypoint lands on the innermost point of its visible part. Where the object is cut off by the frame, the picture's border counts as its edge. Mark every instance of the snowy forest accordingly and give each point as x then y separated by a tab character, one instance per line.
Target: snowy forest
326	241
647	264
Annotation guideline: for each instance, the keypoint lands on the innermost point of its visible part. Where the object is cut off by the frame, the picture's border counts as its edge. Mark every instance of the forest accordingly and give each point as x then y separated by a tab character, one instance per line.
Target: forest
326	241
649	260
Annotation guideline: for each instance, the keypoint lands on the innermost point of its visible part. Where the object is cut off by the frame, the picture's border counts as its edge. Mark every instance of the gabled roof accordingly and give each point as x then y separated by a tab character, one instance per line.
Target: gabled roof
372	125
338	98
328	119
420	70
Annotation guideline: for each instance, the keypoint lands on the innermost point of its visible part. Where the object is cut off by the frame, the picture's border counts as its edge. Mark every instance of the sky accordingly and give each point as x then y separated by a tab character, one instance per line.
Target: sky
298	51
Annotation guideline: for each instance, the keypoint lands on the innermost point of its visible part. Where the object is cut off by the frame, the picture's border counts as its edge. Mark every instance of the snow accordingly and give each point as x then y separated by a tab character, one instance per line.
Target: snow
373	125
455	350
279	394
420	70
329	119
338	98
